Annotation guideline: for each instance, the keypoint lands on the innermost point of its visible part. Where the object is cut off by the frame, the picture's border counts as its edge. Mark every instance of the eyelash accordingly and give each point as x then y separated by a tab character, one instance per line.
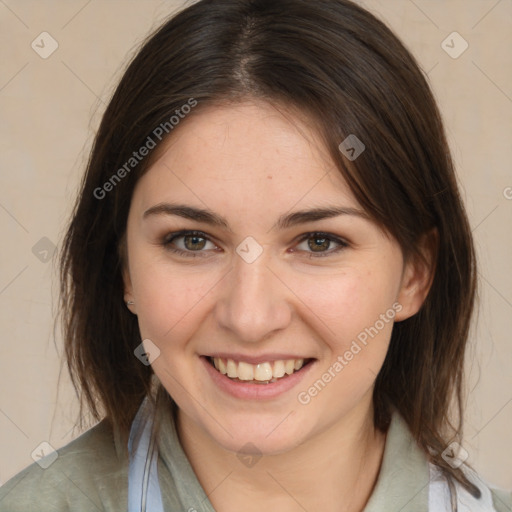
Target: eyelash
169	239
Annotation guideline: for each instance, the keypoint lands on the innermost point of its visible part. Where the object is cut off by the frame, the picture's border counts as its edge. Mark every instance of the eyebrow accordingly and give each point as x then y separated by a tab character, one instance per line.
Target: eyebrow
285	221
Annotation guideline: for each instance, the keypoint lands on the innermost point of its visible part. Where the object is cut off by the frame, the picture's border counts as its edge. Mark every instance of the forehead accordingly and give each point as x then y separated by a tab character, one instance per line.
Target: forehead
245	154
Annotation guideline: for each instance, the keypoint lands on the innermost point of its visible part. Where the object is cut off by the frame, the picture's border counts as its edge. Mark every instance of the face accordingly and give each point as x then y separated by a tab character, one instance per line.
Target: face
271	325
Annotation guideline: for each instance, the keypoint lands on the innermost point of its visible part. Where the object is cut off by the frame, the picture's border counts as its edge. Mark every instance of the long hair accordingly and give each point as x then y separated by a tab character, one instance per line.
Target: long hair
349	74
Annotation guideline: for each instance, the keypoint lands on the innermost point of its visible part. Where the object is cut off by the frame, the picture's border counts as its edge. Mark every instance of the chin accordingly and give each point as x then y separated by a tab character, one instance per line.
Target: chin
261	436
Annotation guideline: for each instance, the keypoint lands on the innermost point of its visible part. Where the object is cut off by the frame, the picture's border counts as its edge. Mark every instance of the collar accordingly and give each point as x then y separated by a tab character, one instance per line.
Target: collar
404	476
402	484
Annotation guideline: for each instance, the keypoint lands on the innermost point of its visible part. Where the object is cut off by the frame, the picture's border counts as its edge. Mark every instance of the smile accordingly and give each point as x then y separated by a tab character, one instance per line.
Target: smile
261	373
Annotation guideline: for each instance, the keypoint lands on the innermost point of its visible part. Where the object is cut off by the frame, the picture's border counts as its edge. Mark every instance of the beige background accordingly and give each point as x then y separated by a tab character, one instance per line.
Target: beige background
50	108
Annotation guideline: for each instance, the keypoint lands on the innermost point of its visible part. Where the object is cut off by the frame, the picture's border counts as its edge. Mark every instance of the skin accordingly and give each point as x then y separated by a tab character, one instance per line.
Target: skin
252	163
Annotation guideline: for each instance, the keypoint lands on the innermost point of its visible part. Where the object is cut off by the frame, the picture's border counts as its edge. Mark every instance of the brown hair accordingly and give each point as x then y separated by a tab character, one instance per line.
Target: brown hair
350	74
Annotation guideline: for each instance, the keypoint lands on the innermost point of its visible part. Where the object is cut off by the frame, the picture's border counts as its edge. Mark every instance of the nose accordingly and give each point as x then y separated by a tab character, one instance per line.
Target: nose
254	302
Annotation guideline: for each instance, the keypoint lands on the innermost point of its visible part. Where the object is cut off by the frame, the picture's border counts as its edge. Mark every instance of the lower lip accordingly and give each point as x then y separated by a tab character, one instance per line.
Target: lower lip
252	391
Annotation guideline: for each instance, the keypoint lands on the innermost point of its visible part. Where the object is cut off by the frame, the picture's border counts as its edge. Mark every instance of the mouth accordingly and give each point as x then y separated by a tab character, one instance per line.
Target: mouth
262	373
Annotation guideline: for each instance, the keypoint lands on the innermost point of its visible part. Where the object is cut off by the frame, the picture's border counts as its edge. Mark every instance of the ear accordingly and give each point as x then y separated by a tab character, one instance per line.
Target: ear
127	282
418	275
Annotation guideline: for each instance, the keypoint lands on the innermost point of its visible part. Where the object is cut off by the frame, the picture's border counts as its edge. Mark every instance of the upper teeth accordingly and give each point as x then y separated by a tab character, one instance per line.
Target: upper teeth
261	372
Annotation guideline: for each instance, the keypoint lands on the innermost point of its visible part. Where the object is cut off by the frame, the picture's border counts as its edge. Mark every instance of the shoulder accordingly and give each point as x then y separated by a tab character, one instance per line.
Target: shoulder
89	473
492	498
495	499
502	500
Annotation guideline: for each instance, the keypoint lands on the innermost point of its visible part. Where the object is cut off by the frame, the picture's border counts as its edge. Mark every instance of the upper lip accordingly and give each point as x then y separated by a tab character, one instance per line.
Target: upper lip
253	359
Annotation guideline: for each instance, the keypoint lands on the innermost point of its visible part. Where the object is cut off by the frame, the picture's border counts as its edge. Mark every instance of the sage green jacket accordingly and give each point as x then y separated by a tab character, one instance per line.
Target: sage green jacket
91	474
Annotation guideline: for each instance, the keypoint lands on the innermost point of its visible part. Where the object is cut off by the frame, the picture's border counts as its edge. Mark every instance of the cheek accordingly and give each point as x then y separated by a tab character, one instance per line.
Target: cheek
354	314
169	299
345	304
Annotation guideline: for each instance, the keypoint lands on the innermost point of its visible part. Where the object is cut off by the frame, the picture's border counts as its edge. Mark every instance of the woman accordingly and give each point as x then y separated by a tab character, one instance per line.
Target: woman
268	278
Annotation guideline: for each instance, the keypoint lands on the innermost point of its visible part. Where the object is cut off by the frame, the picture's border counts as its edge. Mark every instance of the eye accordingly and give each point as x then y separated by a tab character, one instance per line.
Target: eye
187	243
195	244
319	243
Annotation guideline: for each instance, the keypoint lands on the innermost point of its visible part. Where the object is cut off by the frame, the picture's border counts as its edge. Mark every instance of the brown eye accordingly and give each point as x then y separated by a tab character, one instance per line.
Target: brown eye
319	244
187	243
194	242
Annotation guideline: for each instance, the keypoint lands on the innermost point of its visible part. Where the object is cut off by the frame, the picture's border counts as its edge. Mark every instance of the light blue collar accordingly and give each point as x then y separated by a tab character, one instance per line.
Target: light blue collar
144	488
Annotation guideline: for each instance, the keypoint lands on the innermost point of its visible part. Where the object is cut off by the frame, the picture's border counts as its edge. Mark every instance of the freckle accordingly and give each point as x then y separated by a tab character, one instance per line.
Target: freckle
269	177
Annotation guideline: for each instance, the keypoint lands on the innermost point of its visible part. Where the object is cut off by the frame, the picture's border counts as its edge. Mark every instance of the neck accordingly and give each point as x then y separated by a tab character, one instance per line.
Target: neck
335	470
